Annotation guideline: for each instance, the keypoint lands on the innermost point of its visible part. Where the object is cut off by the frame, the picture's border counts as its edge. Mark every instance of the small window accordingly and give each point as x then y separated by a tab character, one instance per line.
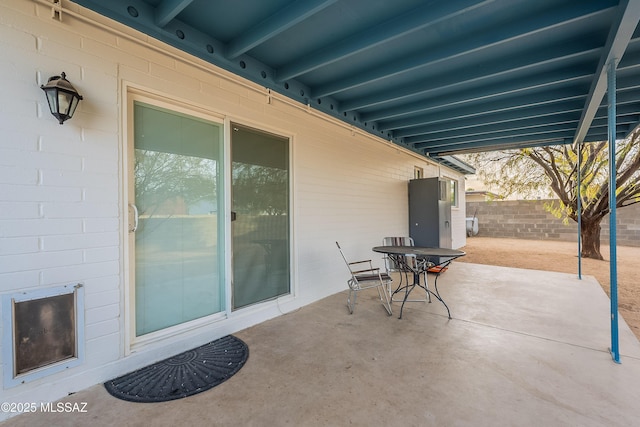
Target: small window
418	172
449	191
454	193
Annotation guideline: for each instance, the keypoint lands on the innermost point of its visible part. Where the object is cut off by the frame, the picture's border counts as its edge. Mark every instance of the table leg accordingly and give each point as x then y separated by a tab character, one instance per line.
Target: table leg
416	282
435	287
409	288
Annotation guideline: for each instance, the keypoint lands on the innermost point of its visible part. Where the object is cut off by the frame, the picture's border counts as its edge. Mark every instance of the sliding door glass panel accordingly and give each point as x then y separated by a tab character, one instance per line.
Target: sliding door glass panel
178	194
260	215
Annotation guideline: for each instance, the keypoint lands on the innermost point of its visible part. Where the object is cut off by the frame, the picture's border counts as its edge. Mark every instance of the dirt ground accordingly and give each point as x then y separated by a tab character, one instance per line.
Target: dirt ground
562	257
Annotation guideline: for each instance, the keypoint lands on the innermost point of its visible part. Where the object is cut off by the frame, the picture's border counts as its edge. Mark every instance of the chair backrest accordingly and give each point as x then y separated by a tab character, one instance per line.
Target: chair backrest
398	241
390	263
344	258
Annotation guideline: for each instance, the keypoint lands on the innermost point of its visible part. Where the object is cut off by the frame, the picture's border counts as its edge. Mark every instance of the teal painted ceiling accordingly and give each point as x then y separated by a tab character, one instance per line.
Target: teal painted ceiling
436	77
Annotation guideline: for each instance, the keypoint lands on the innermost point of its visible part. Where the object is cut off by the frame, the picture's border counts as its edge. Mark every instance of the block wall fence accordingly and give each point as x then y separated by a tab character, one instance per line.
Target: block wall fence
528	219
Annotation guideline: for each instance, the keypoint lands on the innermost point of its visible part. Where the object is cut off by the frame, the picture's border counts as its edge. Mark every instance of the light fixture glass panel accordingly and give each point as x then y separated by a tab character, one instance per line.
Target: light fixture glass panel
74	104
64	100
52	99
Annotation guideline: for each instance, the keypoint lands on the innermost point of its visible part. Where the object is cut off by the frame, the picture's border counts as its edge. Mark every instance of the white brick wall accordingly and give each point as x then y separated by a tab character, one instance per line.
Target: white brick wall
62	199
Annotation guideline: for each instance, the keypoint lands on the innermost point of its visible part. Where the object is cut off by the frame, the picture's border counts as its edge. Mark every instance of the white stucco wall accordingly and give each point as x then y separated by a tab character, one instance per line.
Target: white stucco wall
62	198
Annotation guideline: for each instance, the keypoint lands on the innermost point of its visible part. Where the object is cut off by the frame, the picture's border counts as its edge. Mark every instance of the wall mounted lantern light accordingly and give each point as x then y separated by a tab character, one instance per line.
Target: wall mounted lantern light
62	97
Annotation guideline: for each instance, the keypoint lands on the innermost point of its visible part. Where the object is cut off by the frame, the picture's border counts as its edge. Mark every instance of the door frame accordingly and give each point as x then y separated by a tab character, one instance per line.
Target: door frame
130	93
293	278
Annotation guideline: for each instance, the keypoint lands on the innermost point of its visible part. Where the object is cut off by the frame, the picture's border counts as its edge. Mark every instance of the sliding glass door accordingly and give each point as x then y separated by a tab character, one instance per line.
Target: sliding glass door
176	232
177	224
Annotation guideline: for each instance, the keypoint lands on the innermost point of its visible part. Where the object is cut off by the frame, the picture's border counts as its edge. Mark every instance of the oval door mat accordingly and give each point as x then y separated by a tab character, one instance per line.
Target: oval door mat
183	375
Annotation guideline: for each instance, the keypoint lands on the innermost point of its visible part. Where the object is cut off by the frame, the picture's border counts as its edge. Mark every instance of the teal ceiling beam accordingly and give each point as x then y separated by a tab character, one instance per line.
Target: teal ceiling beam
547	81
168	9
482	124
542	113
514	33
516	87
490	146
417	19
622	29
276	24
443	70
529	133
520	126
549	132
563	55
481	109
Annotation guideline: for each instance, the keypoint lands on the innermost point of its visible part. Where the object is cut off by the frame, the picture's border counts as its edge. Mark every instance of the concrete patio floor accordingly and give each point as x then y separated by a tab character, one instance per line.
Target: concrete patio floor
524	348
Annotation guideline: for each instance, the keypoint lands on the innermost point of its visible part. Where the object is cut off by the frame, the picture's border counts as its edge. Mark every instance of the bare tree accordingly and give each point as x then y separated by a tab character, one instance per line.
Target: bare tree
527	171
162	179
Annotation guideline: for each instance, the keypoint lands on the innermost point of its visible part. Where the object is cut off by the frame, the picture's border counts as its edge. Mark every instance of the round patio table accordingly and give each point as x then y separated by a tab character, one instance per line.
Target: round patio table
427	258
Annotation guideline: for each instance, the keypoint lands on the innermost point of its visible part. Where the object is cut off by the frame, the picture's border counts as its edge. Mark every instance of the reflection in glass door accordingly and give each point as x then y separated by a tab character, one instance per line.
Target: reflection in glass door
260	215
177	233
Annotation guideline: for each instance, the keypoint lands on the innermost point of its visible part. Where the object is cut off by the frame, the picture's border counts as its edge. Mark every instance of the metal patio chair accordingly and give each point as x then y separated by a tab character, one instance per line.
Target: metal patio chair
365	276
393	266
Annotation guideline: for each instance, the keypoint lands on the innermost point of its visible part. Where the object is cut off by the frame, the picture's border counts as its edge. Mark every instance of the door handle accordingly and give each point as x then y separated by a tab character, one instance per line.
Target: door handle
135	218
234	216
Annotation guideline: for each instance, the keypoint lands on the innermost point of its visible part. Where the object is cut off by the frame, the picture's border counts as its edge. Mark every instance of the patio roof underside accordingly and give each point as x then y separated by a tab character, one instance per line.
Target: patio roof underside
436	77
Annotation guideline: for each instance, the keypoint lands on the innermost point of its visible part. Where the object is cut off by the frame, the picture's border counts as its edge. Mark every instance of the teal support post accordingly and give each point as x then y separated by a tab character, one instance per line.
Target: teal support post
613	257
579	207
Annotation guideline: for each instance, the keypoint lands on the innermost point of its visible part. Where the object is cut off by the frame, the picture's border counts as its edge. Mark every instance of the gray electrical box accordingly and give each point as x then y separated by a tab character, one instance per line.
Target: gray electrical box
430	212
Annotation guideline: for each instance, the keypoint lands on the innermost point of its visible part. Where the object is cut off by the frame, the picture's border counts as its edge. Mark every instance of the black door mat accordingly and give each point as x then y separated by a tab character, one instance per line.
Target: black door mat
182	375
